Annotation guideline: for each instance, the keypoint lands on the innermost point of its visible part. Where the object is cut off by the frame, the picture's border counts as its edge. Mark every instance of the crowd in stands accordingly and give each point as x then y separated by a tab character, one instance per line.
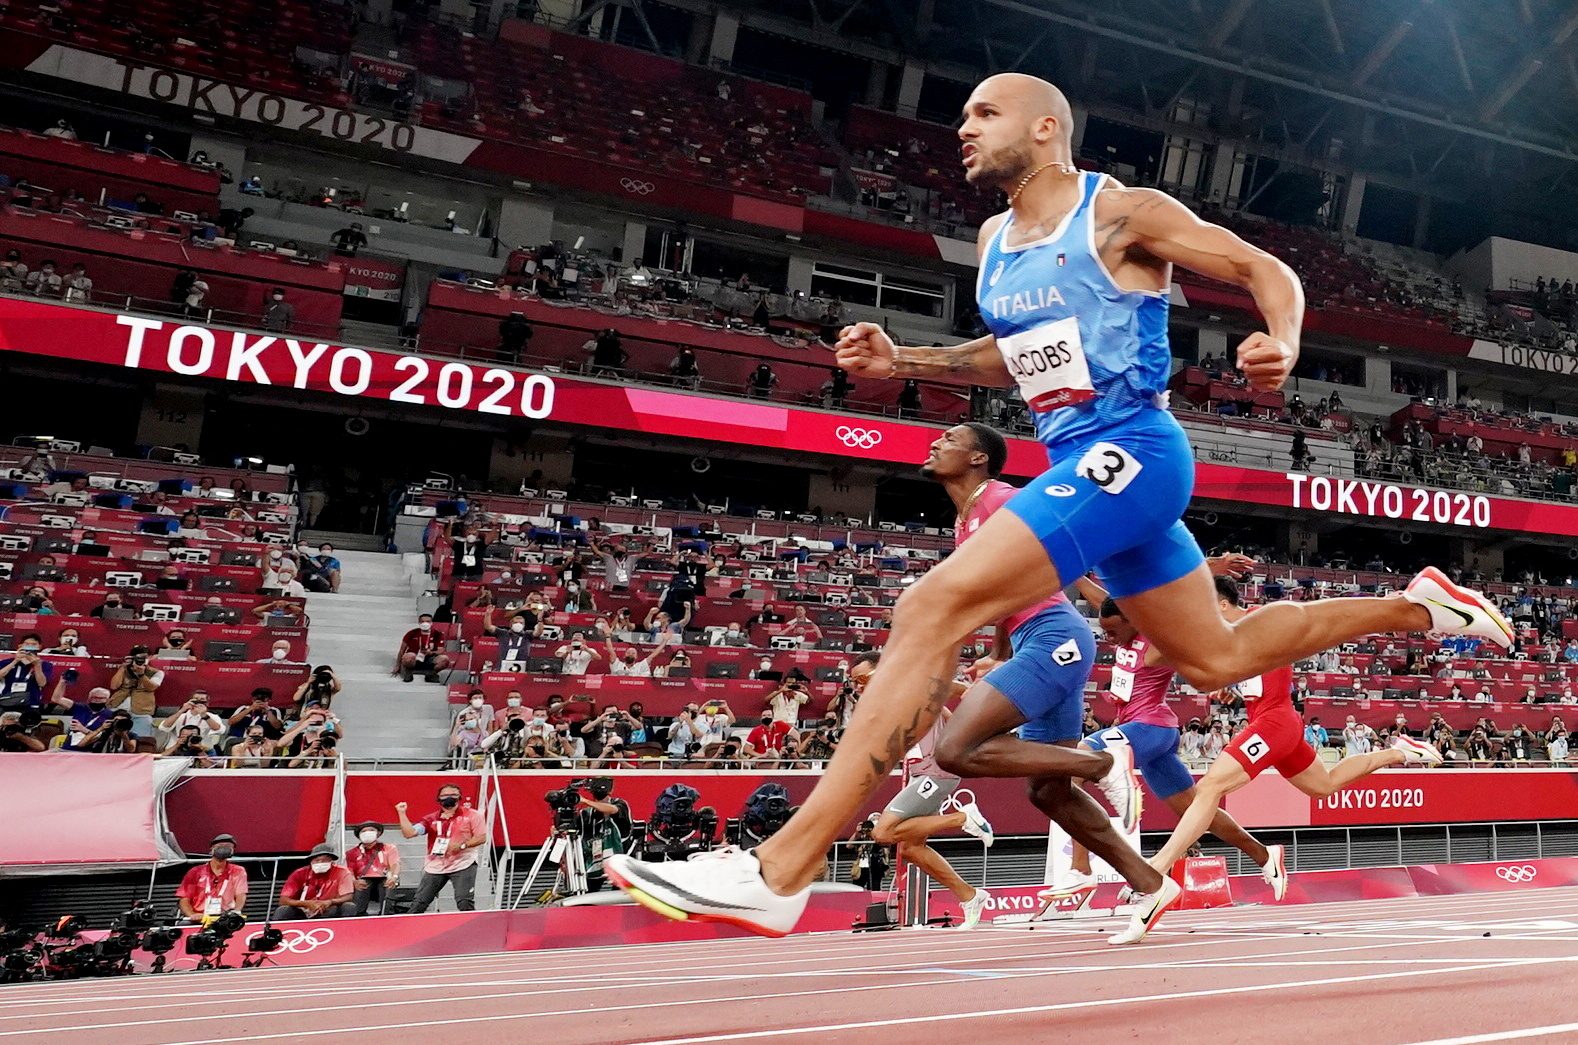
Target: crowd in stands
173	623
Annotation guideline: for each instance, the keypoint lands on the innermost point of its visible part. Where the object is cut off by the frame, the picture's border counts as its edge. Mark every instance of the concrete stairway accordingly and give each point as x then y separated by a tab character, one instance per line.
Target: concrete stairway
356	631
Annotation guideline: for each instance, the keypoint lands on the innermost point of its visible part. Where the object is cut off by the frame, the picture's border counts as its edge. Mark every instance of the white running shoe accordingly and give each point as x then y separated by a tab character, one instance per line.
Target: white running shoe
1120	785
1416	752
1071	883
1275	871
974	823
973	907
724	885
1150	912
1457	611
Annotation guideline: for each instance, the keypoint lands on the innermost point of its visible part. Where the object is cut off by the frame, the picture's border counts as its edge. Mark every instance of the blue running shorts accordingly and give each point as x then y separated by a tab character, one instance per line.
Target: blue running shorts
1114	504
1045	678
1155	756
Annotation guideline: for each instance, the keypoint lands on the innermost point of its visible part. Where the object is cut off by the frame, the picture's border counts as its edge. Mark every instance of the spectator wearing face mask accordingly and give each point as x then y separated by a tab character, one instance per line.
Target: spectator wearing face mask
209	890
279	315
731	636
570	744
617	565
67	644
514	640
454	833
254	750
175	645
684	733
322	889
13	272
578	598
375	864
77	288
626	663
349	240
321	572
279	653
422	648
24	675
802	627
83	715
45	282
472	724
785	702
576	655
514	709
767	736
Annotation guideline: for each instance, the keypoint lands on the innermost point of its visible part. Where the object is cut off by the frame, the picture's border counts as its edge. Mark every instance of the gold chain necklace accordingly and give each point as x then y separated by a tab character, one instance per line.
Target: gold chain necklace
969	502
1026	180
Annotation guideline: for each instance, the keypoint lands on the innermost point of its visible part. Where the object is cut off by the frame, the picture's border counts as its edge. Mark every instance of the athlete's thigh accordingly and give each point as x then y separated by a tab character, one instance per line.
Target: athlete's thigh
1000	570
983	713
1045	678
922	796
1224	777
1179	618
1314	780
1121	491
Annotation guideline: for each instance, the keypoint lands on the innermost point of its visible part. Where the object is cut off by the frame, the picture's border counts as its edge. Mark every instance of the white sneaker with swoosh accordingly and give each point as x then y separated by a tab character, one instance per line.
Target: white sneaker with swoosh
1416	752
724	885
1458	611
1151	909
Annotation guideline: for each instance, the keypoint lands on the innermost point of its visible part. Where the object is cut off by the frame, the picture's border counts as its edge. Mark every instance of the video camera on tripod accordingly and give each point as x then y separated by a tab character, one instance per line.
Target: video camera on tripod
678	827
765	812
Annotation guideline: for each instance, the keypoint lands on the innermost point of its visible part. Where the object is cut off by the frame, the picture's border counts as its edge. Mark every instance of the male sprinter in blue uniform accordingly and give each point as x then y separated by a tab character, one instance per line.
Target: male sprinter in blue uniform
1073	287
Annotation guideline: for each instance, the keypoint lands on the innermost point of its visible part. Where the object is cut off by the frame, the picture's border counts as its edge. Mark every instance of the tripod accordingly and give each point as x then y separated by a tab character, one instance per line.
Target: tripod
563	847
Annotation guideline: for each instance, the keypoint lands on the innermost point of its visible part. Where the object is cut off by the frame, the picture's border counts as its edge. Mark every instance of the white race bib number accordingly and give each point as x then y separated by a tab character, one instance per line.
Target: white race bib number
1254	748
1122	685
440	846
1250	689
1048	363
1109	466
926	788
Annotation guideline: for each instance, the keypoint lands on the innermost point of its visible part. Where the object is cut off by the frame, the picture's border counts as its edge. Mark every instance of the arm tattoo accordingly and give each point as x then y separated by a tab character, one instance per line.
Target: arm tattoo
975	361
904	737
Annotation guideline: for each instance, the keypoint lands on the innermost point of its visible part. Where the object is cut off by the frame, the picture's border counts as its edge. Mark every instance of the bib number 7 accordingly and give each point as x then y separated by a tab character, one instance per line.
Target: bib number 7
1109	466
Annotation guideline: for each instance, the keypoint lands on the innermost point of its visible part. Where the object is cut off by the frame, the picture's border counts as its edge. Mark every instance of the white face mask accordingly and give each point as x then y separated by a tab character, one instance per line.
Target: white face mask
513	702
281	654
518	627
321	866
426	625
368	836
477	702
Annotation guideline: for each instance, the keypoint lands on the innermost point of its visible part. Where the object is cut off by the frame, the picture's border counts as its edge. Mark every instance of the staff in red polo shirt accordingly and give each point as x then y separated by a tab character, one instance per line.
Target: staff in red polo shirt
376	865
322	889
211	889
454	833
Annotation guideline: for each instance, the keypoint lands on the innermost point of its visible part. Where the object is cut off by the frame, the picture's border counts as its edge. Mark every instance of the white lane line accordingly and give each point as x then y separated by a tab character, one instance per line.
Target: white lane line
1026	1010
1505	1035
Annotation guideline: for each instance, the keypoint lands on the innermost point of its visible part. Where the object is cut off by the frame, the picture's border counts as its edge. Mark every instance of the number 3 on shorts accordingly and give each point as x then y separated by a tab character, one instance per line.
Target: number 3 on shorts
1109	466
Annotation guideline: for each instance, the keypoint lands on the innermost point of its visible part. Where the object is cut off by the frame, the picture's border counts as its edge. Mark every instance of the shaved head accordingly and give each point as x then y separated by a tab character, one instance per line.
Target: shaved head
1014	123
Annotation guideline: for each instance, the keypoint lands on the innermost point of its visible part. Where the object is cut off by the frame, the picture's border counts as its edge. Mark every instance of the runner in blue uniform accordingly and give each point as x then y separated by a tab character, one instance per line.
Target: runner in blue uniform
1073	288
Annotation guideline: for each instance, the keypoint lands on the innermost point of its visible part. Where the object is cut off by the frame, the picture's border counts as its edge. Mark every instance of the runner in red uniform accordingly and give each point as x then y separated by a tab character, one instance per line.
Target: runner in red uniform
1273	739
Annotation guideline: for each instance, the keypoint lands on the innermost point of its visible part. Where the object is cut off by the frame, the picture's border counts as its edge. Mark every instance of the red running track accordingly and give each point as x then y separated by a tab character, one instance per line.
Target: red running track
1459	970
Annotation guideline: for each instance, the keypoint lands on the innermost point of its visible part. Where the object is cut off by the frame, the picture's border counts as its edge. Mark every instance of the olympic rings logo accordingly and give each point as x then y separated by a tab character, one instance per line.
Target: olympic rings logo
862	438
301	941
1516	873
640	188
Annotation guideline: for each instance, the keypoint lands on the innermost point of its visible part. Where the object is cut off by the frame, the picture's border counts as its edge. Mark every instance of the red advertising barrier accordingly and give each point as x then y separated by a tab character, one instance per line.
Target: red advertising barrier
209	801
438	935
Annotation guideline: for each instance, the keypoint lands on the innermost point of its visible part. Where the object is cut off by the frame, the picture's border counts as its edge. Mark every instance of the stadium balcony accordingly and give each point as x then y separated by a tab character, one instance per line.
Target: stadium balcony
113	178
212	38
134	261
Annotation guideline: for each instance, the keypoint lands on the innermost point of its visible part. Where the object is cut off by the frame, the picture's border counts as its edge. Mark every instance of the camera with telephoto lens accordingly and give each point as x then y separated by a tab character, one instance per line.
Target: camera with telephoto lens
679	826
565	802
765	812
213	937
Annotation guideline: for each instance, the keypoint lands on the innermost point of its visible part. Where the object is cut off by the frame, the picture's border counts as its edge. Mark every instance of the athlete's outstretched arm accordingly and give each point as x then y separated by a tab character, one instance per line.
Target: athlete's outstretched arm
1159	225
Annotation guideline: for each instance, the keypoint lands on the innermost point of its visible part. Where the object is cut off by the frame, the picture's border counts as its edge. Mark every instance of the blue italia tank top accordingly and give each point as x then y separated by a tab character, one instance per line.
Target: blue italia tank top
1086	354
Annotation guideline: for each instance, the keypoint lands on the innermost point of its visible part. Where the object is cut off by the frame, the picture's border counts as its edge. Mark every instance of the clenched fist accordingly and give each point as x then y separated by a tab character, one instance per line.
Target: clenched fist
1266	361
864	349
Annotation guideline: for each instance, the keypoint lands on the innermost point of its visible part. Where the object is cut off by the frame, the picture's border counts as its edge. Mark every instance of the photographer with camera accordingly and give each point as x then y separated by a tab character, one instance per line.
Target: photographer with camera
715	721
316	723
576	655
210	889
872	858
18	729
24	675
507	746
785	702
112	737
322	889
627	664
322	685
471	725
194	713
454	832
375	864
135	687
610	726
514	639
589	808
187	742
257	714
320	752
254	750
684	734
